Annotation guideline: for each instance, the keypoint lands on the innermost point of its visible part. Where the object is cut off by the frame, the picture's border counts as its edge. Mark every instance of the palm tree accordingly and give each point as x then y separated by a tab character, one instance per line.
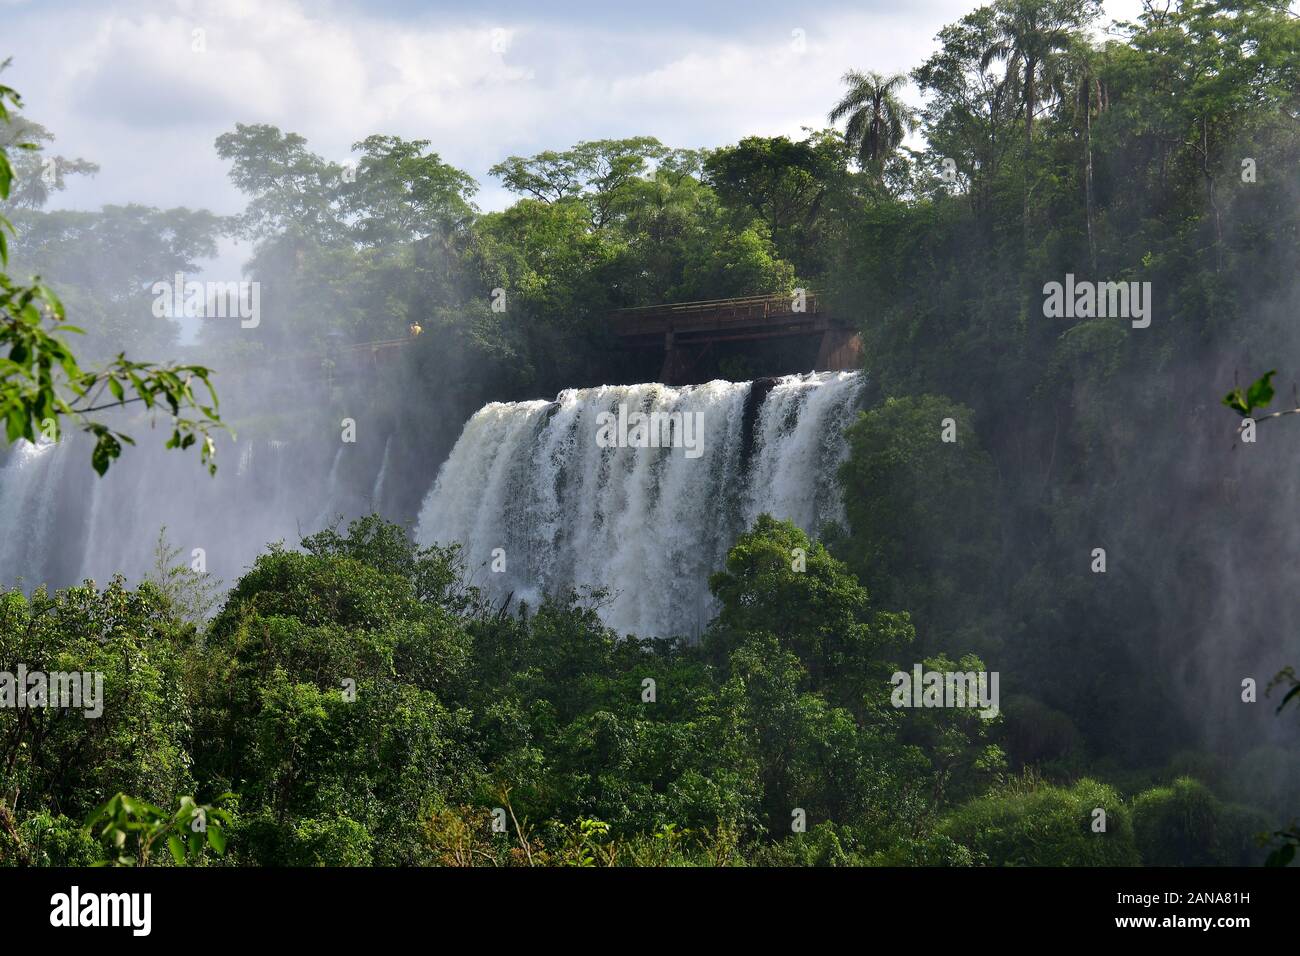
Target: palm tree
878	119
1033	35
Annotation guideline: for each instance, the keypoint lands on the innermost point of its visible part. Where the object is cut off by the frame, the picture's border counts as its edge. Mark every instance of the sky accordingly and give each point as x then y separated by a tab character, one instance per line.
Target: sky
143	87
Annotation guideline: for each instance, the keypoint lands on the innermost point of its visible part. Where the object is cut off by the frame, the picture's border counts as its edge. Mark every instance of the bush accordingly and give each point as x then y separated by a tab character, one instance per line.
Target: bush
823	845
52	840
1184	824
338	841
1029	824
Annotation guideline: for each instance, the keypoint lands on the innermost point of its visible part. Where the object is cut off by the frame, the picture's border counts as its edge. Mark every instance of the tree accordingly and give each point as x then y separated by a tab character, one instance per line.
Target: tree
812	605
922	513
291	187
743	263
1032	37
187	593
1184	824
37	176
107	262
594	171
132	734
965	117
42	384
878	119
402	193
793	187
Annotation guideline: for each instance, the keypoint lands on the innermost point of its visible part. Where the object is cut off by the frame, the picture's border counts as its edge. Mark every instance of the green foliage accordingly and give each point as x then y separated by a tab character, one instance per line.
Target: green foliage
922	513
186	593
1257	395
46	839
740	263
1184	824
134	830
107	262
788	186
1028	824
330	842
369	710
70	761
1030	37
820	614
878	119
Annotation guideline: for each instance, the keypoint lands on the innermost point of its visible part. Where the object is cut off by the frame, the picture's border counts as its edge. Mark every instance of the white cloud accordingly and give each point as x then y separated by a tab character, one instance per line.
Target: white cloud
122	85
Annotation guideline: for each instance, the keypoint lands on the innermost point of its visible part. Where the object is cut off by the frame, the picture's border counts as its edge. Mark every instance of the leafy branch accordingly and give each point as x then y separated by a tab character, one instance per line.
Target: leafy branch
133	828
1257	395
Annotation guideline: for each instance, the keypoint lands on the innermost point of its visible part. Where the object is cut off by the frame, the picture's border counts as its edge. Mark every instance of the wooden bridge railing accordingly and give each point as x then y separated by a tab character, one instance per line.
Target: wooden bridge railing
748	310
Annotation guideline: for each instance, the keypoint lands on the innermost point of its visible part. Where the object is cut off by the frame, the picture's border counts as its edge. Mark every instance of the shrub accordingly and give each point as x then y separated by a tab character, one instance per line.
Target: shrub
1184	824
1029	824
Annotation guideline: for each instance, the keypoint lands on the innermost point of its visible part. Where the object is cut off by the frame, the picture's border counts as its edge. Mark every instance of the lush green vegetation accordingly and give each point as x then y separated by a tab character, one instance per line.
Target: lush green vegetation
352	702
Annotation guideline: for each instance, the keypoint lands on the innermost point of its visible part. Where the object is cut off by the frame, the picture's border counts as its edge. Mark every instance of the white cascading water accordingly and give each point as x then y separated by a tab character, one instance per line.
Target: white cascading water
331	491
647	524
377	492
27	507
60	523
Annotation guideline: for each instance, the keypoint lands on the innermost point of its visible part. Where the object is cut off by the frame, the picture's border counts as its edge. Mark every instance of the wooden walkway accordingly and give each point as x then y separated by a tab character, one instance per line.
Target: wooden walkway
687	331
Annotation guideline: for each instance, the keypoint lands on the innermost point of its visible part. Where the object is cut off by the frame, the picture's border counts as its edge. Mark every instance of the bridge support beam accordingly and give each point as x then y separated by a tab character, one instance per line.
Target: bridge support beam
840	351
680	360
669	369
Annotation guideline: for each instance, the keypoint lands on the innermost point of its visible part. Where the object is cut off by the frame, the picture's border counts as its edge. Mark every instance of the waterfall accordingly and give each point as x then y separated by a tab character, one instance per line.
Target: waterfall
331	493
646	523
376	493
61	523
26	510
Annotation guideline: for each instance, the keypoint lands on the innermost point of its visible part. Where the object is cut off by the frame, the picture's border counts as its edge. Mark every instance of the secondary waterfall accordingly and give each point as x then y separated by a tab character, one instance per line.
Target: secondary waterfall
27	509
649	524
60	523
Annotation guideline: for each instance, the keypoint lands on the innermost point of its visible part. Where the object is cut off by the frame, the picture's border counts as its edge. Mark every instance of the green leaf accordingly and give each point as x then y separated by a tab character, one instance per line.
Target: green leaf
1261	390
217	839
106	449
177	848
15	422
1257	395
1237	402
1282	856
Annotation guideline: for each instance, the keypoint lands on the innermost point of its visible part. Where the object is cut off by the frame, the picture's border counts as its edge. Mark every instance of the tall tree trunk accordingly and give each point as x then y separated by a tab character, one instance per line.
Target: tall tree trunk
1031	68
1209	187
1087	176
